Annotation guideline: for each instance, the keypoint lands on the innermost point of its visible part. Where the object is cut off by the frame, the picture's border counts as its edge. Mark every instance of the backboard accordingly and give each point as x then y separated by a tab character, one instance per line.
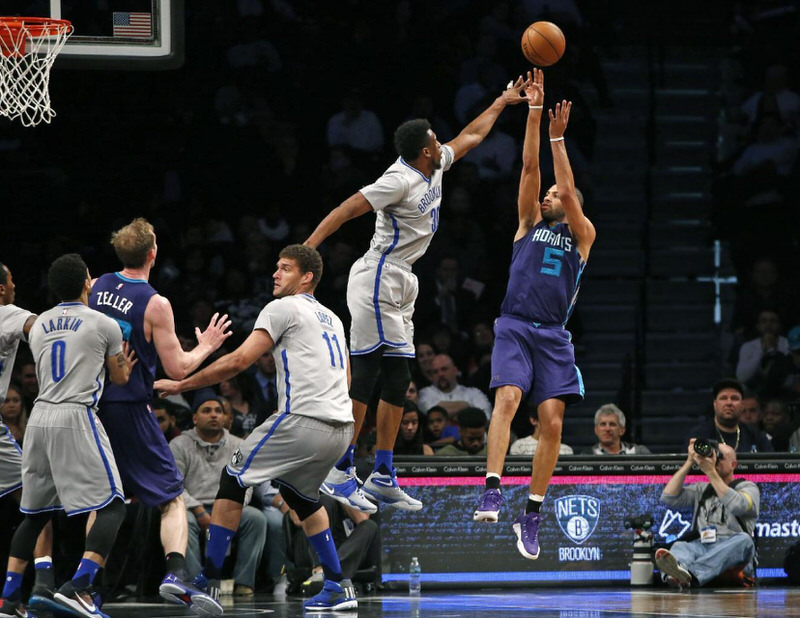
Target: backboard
114	34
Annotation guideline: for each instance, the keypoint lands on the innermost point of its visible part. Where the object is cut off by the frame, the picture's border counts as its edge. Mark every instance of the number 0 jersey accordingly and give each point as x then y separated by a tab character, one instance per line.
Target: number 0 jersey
407	204
70	344
310	356
544	277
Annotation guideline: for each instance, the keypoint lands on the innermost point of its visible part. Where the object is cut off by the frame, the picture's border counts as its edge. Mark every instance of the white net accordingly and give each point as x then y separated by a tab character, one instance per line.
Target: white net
28	48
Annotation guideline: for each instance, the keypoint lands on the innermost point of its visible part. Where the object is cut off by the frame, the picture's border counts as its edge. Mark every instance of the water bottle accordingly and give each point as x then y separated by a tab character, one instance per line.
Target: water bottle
414	577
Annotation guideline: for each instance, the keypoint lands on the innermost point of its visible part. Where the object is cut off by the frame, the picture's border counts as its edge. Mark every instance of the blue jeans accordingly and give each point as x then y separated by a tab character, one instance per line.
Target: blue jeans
276	542
250	535
707	560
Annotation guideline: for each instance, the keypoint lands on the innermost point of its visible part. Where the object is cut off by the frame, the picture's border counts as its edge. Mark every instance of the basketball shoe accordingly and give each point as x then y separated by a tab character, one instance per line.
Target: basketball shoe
489	506
384	488
177	591
344	487
672	570
77	602
9	608
526	526
335	596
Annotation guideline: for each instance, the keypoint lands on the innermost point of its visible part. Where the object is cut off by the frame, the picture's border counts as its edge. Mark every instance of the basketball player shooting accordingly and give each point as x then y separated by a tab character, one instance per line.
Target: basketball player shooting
381	290
533	354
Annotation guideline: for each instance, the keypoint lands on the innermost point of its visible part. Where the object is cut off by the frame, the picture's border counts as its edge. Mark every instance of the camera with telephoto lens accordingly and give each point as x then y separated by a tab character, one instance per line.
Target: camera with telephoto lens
706	446
640	522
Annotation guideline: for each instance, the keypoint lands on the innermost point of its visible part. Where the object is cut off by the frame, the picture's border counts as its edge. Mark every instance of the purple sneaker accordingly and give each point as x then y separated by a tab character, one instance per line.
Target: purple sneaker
526	527
489	507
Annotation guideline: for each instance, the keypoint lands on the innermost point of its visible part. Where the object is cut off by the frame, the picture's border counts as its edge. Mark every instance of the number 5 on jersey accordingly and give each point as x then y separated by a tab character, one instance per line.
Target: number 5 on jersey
551	262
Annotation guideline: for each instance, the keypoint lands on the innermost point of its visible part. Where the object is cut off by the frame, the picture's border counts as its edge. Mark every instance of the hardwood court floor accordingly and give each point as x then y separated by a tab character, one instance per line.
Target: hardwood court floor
765	601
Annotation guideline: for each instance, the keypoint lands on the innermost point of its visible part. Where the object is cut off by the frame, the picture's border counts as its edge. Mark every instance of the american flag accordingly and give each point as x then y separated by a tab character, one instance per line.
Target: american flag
135	25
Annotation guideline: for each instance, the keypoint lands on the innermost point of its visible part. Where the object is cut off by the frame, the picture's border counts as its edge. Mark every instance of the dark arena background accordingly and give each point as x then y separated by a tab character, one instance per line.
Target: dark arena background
221	123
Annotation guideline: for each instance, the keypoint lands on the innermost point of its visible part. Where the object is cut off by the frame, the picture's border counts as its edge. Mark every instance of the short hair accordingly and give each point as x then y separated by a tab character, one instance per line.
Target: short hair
411	137
610	408
308	259
579	195
158	403
132	242
471	418
66	276
438	409
3	274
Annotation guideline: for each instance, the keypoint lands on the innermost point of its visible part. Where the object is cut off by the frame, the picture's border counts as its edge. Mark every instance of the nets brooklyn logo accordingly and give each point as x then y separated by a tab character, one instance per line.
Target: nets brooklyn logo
577	516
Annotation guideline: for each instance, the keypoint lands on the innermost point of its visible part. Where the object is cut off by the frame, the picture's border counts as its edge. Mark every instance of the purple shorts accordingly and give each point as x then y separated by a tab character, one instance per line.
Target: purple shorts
145	461
540	361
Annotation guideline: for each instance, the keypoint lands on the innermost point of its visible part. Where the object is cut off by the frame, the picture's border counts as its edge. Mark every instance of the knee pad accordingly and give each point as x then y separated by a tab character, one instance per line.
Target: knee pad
229	489
395	378
364	372
101	537
24	539
302	506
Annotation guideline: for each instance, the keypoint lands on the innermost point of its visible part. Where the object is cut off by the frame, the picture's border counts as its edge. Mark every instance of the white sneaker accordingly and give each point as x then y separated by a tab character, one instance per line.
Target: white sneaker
672	569
384	488
344	487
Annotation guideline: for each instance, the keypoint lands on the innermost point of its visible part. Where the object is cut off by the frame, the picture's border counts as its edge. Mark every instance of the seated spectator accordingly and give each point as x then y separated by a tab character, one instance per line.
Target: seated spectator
472	424
265	386
751	410
409	438
412	393
452	298
355	535
201	454
776	423
166	417
14	413
355	127
760	356
448	393
786	375
421	370
725	514
763	289
439	431
609	427
527	446
247	413
725	427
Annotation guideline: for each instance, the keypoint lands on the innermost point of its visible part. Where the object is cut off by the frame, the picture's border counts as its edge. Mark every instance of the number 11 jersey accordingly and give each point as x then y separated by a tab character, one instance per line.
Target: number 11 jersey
310	357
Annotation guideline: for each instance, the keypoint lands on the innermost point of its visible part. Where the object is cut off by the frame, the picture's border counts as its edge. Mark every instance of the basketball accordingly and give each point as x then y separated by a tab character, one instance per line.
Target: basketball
543	43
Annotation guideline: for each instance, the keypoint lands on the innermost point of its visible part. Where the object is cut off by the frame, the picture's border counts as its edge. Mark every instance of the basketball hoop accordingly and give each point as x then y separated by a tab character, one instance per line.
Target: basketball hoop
28	48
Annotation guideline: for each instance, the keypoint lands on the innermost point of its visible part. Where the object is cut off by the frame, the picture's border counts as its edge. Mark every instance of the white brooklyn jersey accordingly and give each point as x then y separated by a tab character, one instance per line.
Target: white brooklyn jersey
12	323
407	204
70	344
310	356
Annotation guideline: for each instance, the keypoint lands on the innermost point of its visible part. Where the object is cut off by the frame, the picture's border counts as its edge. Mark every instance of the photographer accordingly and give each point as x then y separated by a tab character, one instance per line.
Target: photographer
725	513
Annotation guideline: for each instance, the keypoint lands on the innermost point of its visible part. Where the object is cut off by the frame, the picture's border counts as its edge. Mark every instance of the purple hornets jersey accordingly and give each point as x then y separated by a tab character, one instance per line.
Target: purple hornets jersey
125	300
544	276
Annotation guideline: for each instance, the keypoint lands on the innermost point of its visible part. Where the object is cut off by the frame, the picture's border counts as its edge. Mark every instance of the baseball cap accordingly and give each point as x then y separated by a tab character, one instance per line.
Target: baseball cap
794	339
728	383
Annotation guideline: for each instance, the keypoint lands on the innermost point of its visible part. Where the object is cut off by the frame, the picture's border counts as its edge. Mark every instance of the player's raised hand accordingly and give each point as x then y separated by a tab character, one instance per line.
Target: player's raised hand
513	93
166	388
534	87
216	332
559	119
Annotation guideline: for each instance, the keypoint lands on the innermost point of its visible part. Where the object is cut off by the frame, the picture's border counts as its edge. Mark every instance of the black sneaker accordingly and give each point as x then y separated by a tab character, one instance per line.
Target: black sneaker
9	608
80	602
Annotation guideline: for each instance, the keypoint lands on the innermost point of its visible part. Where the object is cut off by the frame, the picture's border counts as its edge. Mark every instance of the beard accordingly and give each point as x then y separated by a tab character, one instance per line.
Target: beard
437	165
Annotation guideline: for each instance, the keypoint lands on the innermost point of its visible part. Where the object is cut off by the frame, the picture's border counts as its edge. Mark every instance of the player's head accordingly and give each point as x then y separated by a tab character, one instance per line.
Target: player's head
135	244
414	139
552	208
6	286
299	271
68	277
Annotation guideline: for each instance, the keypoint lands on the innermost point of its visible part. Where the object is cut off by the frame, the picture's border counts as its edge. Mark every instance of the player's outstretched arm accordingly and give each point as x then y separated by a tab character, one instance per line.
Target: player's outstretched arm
530	182
119	365
176	361
256	345
475	132
582	229
354	206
